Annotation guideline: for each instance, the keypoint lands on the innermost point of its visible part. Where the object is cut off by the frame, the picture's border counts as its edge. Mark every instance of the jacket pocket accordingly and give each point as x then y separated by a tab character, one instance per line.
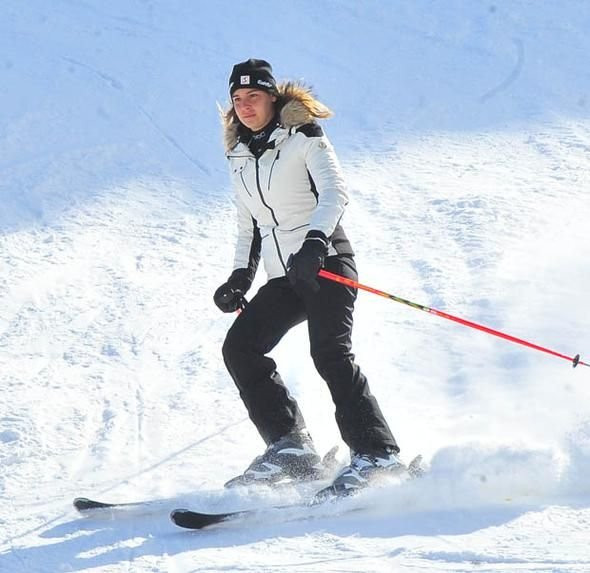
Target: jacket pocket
241	175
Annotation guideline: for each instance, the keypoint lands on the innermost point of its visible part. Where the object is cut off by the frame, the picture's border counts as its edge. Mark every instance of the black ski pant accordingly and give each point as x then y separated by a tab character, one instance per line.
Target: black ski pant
271	313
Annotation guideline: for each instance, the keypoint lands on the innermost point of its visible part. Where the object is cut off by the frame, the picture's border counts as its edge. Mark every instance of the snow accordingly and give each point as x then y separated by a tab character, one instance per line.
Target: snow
464	132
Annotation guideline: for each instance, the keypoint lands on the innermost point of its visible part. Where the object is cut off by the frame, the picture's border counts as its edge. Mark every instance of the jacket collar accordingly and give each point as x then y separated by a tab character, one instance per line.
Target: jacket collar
241	148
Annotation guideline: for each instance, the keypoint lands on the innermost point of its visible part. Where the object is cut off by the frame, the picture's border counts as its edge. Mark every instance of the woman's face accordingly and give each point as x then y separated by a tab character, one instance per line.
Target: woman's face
254	108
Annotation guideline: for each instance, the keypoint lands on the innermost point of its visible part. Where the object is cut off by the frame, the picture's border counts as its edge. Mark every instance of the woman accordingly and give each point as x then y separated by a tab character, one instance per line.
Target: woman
290	197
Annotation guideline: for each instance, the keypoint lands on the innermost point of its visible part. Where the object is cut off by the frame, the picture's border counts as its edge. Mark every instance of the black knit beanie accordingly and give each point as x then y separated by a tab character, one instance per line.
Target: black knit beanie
254	74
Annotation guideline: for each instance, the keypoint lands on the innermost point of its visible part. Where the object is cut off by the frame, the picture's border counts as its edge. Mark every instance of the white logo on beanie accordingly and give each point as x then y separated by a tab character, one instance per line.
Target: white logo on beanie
244	80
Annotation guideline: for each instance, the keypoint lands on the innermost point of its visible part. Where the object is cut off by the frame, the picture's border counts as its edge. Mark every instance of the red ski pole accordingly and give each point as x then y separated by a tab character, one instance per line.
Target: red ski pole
575	360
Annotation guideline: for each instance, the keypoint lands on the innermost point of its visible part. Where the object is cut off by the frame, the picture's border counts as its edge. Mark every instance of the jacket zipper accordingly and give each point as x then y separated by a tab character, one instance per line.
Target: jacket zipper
274	236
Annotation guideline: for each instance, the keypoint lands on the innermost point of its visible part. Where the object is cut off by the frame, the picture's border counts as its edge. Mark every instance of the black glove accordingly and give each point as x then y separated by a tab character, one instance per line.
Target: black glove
229	297
303	266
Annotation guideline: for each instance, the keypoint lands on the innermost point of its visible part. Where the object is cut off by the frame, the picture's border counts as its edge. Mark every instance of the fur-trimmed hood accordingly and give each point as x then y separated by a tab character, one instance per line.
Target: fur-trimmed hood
298	106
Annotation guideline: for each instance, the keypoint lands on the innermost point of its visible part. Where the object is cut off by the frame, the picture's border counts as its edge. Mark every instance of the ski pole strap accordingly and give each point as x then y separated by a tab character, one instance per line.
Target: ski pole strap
575	360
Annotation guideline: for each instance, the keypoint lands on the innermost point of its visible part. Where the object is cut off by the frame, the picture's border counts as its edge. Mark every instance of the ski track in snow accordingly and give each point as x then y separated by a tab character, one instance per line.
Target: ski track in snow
469	174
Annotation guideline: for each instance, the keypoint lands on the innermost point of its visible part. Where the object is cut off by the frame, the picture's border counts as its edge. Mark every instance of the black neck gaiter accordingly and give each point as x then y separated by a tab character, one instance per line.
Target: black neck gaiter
257	141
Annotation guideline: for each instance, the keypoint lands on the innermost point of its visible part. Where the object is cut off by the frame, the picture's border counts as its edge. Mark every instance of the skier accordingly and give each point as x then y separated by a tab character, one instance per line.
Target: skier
290	198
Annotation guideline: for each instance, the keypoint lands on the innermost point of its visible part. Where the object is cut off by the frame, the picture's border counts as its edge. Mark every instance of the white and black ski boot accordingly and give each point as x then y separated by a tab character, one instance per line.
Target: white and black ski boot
291	458
362	470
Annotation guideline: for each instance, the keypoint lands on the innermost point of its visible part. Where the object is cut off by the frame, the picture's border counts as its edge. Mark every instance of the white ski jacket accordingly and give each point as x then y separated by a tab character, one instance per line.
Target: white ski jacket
294	187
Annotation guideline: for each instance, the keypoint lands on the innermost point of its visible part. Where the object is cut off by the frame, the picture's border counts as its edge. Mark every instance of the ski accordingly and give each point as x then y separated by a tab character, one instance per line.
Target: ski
298	511
85	505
